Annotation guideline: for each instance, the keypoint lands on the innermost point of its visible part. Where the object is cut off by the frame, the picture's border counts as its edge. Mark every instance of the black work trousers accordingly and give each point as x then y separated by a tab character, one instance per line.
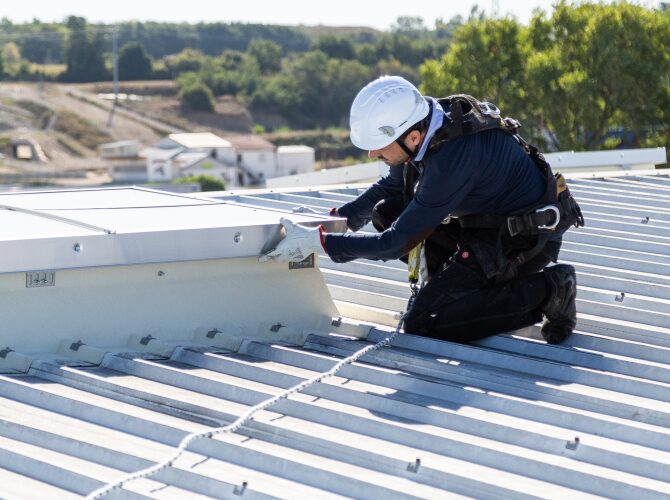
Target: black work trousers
460	303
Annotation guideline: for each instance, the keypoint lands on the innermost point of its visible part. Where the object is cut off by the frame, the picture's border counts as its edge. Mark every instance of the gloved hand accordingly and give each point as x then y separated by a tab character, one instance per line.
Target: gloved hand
299	243
354	222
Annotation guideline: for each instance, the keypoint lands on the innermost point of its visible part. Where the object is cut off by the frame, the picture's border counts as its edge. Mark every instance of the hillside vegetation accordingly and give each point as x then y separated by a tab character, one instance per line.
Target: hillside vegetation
583	76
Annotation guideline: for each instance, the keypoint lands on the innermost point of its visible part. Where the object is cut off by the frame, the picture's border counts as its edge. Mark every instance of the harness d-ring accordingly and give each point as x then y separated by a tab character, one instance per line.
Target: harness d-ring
556	212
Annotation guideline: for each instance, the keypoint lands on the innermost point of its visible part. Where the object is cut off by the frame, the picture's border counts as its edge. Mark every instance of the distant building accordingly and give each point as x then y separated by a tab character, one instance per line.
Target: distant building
124	161
239	160
201	142
293	160
255	158
28	149
120	149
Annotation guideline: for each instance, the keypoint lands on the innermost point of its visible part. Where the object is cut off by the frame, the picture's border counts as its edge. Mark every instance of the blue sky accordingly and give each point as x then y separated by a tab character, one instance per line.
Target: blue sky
337	13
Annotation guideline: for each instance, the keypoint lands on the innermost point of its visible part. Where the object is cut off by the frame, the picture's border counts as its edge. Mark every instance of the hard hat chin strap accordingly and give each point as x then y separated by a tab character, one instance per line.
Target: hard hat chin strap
400	142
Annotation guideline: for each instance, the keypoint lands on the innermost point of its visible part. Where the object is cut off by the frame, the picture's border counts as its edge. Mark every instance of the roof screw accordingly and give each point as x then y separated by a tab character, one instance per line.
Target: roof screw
238	238
645	220
620	297
414	466
275	328
147	339
76	247
572	445
336	322
161	273
239	490
76	345
212	333
5	351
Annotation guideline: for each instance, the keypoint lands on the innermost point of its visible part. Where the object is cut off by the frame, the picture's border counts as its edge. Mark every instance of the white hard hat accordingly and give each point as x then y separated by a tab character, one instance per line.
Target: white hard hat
383	110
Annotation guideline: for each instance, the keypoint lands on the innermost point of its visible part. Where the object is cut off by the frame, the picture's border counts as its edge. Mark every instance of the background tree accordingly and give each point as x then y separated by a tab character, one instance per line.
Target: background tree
194	94
11	55
597	70
409	25
233	73
588	76
312	90
268	54
134	62
486	60
338	47
185	61
83	53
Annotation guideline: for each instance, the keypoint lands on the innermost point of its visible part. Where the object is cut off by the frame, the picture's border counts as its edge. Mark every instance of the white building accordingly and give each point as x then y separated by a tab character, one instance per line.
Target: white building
164	165
123	160
120	149
239	159
293	160
256	158
201	142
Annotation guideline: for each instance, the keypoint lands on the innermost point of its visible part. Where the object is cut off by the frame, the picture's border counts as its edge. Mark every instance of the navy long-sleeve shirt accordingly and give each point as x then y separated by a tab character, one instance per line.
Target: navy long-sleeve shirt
486	172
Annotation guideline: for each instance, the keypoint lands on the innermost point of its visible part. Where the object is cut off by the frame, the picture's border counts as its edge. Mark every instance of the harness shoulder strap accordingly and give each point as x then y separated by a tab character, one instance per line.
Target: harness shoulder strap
465	115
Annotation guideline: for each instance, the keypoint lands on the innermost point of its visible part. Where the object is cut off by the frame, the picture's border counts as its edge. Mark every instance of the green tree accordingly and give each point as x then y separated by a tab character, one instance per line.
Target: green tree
228	75
267	53
134	62
83	53
601	68
11	54
337	47
185	61
194	94
409	25
486	59
312	90
582	78
207	182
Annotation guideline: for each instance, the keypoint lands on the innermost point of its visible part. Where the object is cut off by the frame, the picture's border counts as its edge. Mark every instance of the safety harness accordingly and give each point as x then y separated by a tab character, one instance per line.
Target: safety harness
554	213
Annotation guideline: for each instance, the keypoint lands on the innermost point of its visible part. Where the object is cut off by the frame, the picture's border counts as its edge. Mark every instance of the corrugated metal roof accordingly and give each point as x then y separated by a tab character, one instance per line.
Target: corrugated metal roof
509	416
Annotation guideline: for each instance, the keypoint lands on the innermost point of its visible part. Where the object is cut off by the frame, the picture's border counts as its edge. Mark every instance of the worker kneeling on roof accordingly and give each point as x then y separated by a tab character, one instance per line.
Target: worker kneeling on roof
466	193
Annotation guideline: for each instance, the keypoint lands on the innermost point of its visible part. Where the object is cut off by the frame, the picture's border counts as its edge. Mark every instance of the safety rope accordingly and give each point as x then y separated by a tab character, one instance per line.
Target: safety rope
243	419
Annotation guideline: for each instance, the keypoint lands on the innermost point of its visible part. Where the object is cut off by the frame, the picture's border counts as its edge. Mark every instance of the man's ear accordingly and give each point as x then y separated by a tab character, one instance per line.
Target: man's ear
414	138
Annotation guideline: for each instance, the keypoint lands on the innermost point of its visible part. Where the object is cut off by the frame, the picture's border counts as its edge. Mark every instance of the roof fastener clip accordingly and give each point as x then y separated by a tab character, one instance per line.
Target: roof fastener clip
239	490
275	328
414	466
337	322
5	351
572	445
620	297
645	220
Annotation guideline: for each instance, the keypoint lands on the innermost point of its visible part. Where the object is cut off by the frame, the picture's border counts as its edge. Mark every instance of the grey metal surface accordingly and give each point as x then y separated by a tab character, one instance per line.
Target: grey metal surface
507	417
121	226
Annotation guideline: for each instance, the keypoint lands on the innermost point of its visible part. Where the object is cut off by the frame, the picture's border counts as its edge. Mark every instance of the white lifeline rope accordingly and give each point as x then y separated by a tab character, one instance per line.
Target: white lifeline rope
243	419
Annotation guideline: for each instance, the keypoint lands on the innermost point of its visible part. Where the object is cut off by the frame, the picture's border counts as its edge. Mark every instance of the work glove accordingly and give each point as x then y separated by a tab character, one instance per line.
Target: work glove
354	222
299	243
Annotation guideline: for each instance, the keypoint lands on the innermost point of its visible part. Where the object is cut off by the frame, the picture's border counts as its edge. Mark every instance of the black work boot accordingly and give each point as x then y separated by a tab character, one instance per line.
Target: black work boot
560	307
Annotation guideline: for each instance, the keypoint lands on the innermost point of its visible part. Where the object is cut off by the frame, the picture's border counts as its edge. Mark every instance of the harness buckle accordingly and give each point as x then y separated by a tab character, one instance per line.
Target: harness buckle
488	108
557	213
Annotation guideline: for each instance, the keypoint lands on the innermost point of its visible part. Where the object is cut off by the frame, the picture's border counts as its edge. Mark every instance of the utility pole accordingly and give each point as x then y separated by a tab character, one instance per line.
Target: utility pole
115	73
